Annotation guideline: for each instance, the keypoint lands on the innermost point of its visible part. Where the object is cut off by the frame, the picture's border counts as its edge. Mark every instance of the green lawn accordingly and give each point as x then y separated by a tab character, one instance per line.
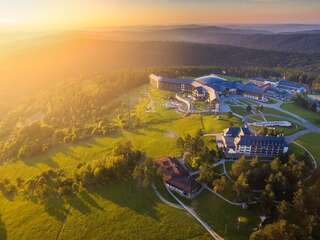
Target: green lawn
286	130
302	112
239	110
223	217
311	142
118	211
248	101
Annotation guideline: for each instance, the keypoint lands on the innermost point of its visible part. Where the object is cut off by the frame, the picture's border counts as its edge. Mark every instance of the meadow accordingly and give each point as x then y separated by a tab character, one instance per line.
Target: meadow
118	210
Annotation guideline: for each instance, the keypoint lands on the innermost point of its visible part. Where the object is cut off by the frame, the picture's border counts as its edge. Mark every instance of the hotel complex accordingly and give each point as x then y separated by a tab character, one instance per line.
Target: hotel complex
240	141
213	86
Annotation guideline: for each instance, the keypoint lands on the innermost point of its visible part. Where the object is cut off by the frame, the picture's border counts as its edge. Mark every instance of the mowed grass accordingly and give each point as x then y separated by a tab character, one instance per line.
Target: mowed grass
223	217
116	211
302	112
311	142
239	110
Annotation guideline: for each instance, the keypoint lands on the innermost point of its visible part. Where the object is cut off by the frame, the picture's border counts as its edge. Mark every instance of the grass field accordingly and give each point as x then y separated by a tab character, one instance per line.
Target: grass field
305	113
311	142
120	210
223	216
239	110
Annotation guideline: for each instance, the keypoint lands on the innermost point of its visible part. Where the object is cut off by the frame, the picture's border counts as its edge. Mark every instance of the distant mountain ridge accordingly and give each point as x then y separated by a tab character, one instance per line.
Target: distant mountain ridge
303	42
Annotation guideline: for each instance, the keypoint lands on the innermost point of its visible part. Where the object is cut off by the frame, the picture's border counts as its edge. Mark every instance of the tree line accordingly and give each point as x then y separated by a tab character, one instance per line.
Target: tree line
123	164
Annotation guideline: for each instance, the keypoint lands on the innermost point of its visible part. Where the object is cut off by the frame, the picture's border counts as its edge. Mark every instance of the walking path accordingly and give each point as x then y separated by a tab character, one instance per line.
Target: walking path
222	197
206	226
309	127
315	163
165	201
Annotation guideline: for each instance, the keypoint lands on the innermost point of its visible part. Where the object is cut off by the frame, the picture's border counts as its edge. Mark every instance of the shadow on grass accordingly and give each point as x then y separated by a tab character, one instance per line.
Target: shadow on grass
56	208
41	159
75	202
129	195
3	230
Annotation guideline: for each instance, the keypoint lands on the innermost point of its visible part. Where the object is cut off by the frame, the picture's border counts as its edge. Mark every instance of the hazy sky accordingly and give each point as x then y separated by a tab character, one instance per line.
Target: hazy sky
98	13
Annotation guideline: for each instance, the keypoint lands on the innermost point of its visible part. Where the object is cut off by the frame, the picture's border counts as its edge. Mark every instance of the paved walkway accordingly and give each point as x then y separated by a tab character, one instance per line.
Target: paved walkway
223	198
315	163
205	225
165	201
309	127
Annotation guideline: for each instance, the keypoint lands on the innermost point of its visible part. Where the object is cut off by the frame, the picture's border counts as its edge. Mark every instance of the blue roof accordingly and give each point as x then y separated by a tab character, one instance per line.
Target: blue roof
246	131
262	141
235	131
217	83
251	87
290	84
200	90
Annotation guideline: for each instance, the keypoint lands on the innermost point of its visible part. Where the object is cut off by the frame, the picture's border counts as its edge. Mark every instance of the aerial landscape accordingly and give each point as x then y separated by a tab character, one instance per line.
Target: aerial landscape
166	120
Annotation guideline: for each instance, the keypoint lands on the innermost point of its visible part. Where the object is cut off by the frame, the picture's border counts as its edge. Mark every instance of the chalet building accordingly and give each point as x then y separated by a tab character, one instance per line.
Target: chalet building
240	141
177	178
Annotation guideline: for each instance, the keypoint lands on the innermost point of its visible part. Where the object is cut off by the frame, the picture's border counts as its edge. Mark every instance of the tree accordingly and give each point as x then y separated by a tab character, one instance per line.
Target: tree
145	172
254	162
238	167
241	187
219	185
278	230
206	173
283	209
249	108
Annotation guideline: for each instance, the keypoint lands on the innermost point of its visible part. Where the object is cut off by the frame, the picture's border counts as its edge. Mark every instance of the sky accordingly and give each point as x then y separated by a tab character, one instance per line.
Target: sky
75	14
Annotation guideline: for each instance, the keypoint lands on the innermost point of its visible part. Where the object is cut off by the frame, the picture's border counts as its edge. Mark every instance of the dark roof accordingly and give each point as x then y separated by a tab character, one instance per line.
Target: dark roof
185	183
176	175
246	131
262	141
260	79
176	81
235	131
290	84
200	90
251	88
